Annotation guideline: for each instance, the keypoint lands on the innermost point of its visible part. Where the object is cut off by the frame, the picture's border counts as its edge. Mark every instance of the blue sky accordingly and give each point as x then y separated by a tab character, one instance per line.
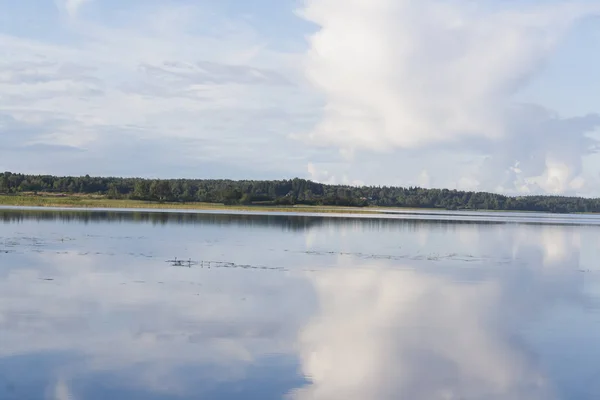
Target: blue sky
493	95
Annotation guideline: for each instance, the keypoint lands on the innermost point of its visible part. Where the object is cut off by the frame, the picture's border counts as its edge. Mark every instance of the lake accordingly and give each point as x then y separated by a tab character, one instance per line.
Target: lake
132	305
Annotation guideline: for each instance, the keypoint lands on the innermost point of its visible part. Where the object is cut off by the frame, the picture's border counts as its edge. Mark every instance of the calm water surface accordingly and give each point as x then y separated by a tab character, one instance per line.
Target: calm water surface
93	307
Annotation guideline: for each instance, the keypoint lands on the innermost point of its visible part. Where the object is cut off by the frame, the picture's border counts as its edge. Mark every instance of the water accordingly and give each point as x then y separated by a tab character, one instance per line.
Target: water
297	307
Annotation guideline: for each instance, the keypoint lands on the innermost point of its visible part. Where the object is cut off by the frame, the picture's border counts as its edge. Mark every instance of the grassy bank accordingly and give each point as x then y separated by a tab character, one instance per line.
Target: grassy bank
82	201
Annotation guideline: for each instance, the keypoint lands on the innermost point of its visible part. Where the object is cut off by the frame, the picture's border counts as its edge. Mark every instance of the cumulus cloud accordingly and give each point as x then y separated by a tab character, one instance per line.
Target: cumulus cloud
542	153
317	173
427	74
405	74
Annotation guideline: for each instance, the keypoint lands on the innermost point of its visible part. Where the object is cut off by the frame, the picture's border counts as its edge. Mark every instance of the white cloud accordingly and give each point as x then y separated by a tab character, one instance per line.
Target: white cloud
154	78
317	174
556	178
428	85
541	153
407	74
429	74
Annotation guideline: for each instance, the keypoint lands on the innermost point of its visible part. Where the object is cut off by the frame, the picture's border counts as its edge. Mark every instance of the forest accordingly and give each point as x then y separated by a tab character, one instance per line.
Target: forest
286	192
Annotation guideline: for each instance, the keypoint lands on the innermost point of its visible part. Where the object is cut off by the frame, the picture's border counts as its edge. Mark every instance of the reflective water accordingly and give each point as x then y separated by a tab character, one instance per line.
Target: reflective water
94	306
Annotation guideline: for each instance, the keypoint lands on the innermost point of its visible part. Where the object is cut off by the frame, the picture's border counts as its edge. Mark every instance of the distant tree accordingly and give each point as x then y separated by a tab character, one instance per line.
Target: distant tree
113	192
3	184
287	192
141	190
246	199
72	187
160	190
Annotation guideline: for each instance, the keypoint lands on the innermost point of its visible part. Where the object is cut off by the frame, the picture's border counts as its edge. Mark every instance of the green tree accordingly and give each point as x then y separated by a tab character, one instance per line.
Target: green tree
160	190
113	192
141	190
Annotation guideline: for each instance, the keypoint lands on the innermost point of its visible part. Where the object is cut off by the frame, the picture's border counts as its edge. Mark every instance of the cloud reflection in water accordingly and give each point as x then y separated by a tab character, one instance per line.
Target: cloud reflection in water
404	333
455	312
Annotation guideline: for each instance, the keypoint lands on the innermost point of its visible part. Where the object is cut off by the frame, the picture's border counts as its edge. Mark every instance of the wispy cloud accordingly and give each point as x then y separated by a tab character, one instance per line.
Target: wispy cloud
155	70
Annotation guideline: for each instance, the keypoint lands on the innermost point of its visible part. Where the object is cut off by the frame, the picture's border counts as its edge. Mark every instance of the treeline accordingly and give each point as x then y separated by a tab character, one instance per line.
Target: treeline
287	192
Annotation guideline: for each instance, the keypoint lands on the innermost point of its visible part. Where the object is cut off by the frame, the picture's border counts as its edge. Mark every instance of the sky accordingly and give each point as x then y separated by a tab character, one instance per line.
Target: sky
487	95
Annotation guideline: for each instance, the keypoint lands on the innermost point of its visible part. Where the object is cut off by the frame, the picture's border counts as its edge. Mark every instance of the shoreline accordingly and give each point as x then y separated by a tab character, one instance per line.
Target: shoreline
82	202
